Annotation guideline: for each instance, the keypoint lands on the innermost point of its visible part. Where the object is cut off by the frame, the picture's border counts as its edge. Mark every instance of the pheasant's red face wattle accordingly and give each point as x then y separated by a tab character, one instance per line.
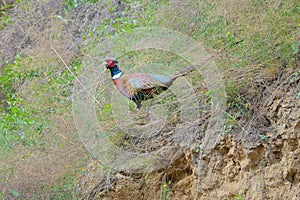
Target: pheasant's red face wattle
110	63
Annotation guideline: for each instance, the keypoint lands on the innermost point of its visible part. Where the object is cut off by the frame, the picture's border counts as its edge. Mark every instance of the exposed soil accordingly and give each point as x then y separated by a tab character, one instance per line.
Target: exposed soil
246	165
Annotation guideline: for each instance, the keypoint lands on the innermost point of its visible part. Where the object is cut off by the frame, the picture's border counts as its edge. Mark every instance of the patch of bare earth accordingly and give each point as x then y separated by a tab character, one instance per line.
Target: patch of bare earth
261	161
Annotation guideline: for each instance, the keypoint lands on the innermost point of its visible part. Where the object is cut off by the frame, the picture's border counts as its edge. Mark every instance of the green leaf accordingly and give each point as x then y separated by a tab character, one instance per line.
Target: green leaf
15	193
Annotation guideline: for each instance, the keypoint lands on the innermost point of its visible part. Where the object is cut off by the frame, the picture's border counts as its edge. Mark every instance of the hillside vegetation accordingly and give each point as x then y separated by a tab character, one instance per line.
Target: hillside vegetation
47	45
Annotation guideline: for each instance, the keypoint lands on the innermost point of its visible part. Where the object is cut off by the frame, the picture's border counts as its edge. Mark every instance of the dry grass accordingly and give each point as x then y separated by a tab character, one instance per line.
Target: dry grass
35	172
49	167
249	43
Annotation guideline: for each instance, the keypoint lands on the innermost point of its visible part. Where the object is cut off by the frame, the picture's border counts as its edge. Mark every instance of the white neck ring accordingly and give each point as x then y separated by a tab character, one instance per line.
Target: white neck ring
117	76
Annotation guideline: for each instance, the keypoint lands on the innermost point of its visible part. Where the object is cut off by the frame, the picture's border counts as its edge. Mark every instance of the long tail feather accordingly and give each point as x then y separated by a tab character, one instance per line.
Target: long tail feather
183	72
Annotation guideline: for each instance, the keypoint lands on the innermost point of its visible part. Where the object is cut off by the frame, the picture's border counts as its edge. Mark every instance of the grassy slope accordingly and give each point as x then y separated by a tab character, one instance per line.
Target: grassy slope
249	40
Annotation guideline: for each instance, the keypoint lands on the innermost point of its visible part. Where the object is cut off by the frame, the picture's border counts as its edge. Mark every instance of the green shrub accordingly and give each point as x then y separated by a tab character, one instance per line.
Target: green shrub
15	119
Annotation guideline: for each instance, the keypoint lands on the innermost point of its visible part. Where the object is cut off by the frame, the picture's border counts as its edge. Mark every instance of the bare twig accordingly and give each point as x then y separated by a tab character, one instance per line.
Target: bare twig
69	69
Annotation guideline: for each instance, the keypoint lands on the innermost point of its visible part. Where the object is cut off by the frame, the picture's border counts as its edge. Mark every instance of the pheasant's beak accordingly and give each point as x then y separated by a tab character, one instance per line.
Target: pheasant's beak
104	65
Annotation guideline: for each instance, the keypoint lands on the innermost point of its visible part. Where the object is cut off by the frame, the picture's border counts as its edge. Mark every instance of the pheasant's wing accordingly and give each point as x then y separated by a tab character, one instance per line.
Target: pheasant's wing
131	85
166	81
144	82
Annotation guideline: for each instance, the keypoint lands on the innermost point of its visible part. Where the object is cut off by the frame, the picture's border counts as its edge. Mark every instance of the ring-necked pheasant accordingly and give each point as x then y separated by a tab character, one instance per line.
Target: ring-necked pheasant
141	86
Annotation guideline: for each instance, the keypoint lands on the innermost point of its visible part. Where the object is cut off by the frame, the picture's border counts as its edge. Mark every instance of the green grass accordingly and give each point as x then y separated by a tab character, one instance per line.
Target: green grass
4	13
75	3
65	188
166	191
16	119
24	112
249	41
35	92
238	197
241	37
251	33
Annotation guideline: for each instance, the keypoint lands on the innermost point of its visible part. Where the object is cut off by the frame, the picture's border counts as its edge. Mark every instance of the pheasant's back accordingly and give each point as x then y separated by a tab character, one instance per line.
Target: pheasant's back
165	80
130	85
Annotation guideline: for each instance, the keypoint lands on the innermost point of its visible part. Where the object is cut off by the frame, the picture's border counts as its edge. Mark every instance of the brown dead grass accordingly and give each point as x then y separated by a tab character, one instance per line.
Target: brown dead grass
36	29
34	171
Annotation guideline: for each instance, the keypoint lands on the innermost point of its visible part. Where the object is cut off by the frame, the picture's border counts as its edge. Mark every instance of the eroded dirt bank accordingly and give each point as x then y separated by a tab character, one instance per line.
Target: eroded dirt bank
244	165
